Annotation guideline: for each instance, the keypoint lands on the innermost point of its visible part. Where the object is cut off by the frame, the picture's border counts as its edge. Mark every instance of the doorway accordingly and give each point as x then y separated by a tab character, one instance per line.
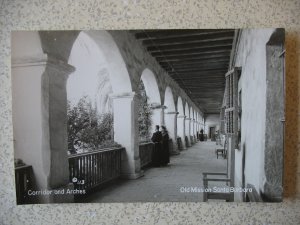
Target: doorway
212	131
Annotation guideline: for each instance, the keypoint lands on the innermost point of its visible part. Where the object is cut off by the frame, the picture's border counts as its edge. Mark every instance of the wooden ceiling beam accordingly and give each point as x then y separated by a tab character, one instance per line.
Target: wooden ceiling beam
146	34
192	51
196	65
194	69
204	78
187	46
228	35
198	71
187	62
195	60
200	55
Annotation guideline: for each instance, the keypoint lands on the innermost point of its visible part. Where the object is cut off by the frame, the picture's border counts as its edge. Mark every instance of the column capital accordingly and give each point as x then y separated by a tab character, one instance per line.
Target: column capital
172	113
60	66
155	105
38	60
122	95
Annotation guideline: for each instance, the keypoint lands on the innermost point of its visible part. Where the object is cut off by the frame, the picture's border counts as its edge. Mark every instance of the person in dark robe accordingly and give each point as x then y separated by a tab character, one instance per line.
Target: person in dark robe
157	140
201	135
165	146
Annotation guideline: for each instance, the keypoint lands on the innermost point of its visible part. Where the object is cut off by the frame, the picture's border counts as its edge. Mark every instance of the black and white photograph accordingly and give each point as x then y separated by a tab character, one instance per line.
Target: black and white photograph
167	115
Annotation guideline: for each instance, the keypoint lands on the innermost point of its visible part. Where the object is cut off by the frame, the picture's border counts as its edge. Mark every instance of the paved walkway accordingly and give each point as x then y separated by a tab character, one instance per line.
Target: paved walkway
164	184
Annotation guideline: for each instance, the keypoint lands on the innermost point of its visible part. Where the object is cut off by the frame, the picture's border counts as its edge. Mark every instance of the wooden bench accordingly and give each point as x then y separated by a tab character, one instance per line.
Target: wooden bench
209	177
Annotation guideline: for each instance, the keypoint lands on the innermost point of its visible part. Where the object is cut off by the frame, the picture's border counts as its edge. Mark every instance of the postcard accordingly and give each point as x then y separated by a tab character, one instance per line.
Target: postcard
179	115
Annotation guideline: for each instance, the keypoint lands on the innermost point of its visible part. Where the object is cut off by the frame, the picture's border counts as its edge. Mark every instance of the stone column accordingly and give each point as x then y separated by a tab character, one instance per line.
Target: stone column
194	129
181	130
40	72
126	133
163	108
187	131
55	103
171	124
191	131
30	117
198	130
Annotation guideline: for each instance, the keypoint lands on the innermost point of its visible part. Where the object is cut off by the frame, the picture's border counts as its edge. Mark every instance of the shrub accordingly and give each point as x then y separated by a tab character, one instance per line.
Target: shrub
86	129
144	115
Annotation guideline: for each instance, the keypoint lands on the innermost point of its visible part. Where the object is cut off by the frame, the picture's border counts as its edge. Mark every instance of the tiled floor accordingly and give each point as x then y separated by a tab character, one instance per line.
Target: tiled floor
165	184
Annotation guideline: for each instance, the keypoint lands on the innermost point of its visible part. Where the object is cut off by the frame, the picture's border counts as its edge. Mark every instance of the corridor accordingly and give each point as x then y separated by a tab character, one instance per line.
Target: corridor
163	184
96	97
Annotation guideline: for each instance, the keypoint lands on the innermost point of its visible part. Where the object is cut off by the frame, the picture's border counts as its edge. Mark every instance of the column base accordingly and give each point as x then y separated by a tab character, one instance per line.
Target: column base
174	153
65	197
132	176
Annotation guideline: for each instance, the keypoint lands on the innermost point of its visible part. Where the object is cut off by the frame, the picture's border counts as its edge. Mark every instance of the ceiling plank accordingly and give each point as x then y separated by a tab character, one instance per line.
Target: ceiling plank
186	46
194	62
190	39
146	34
198	55
192	51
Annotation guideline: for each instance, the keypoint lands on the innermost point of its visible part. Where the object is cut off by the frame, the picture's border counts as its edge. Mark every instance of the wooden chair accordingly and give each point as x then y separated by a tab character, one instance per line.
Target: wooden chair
222	149
253	196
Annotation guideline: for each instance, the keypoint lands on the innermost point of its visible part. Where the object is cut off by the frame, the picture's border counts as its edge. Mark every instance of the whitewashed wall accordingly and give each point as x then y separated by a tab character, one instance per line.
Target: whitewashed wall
251	57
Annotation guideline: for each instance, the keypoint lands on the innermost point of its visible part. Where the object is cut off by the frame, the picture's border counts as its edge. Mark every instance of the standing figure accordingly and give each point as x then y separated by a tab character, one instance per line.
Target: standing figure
157	140
201	135
165	146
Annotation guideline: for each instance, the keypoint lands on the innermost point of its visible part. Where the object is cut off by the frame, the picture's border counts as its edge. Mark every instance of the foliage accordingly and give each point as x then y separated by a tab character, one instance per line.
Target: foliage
144	114
86	129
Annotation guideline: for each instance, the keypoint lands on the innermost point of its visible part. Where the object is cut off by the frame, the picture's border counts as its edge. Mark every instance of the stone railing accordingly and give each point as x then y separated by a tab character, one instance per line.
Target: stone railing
92	169
145	151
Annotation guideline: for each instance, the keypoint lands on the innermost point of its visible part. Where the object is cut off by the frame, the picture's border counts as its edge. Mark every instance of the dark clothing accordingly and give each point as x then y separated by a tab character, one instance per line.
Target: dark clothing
156	154
201	135
165	156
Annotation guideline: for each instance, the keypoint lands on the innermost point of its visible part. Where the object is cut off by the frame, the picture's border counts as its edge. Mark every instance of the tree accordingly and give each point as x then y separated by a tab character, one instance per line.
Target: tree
86	129
144	114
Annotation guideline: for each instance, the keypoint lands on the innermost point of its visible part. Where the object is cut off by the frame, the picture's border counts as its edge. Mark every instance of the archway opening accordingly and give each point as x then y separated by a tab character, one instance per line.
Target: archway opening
144	114
90	109
171	116
153	97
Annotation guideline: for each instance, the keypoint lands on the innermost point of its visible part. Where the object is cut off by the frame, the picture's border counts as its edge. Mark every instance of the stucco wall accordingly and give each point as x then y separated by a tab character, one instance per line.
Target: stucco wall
251	57
212	120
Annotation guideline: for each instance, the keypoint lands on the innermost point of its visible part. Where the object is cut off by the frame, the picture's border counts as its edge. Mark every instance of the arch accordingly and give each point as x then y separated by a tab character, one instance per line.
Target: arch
91	77
171	117
187	110
180	107
151	86
169	100
106	53
109	64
